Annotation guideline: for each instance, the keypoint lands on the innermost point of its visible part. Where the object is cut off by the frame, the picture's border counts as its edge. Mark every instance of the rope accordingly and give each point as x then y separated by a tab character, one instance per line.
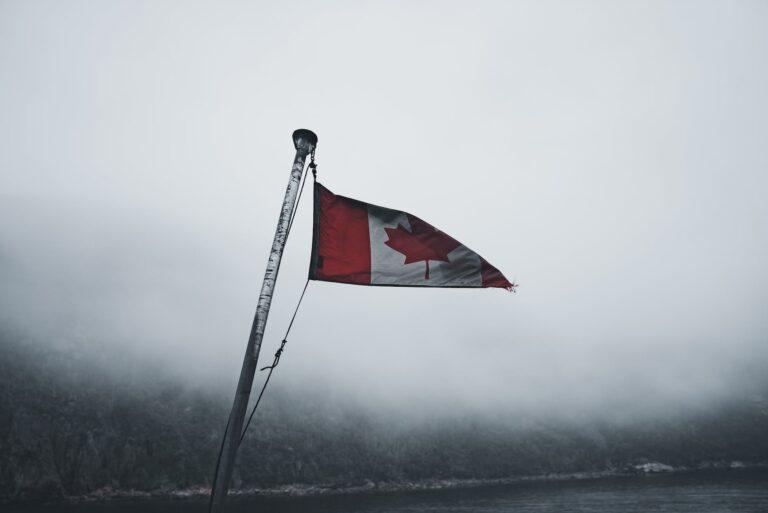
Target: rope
276	360
279	352
218	464
313	167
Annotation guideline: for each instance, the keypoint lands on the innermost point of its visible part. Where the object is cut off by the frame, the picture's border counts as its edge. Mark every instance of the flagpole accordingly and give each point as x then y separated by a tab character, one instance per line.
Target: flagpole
304	141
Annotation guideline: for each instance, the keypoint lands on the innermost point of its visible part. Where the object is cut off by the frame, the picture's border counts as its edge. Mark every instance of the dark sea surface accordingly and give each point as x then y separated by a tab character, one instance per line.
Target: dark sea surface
734	491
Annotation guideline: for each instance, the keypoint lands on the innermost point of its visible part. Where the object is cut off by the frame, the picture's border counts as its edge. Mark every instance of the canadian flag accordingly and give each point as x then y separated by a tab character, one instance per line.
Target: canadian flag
364	244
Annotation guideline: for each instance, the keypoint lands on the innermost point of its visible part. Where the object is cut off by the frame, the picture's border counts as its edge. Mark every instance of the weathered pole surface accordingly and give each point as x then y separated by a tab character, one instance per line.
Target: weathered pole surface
304	141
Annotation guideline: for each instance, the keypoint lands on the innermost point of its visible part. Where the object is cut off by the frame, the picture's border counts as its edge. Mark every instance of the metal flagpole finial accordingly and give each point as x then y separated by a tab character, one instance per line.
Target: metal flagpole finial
303	136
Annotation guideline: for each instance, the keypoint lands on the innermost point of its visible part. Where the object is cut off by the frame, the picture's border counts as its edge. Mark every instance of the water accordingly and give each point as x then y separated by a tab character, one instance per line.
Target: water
732	492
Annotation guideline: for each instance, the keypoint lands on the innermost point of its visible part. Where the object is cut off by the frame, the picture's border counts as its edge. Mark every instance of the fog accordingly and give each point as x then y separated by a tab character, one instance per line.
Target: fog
612	157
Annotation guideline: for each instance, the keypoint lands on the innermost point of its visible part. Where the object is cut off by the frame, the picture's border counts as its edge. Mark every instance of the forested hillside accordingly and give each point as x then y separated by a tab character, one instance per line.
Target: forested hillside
68	426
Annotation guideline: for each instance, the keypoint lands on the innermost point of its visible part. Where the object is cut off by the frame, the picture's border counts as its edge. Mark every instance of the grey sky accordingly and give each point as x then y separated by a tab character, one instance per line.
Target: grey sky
610	156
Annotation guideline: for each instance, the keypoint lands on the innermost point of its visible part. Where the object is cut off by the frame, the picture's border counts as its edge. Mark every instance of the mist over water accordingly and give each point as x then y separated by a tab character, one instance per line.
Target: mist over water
123	285
609	157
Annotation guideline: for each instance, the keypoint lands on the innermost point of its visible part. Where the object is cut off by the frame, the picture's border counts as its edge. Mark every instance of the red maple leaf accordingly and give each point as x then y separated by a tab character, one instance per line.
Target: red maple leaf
423	242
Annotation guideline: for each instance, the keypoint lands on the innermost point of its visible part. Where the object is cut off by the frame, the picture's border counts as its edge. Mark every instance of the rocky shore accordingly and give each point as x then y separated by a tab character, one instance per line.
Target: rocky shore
369	486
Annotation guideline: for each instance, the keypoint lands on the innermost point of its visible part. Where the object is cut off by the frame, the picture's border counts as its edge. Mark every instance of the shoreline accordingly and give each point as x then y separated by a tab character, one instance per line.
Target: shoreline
367	486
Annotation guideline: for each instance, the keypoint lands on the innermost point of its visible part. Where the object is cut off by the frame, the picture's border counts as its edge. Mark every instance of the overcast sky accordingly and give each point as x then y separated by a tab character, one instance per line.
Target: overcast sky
610	156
